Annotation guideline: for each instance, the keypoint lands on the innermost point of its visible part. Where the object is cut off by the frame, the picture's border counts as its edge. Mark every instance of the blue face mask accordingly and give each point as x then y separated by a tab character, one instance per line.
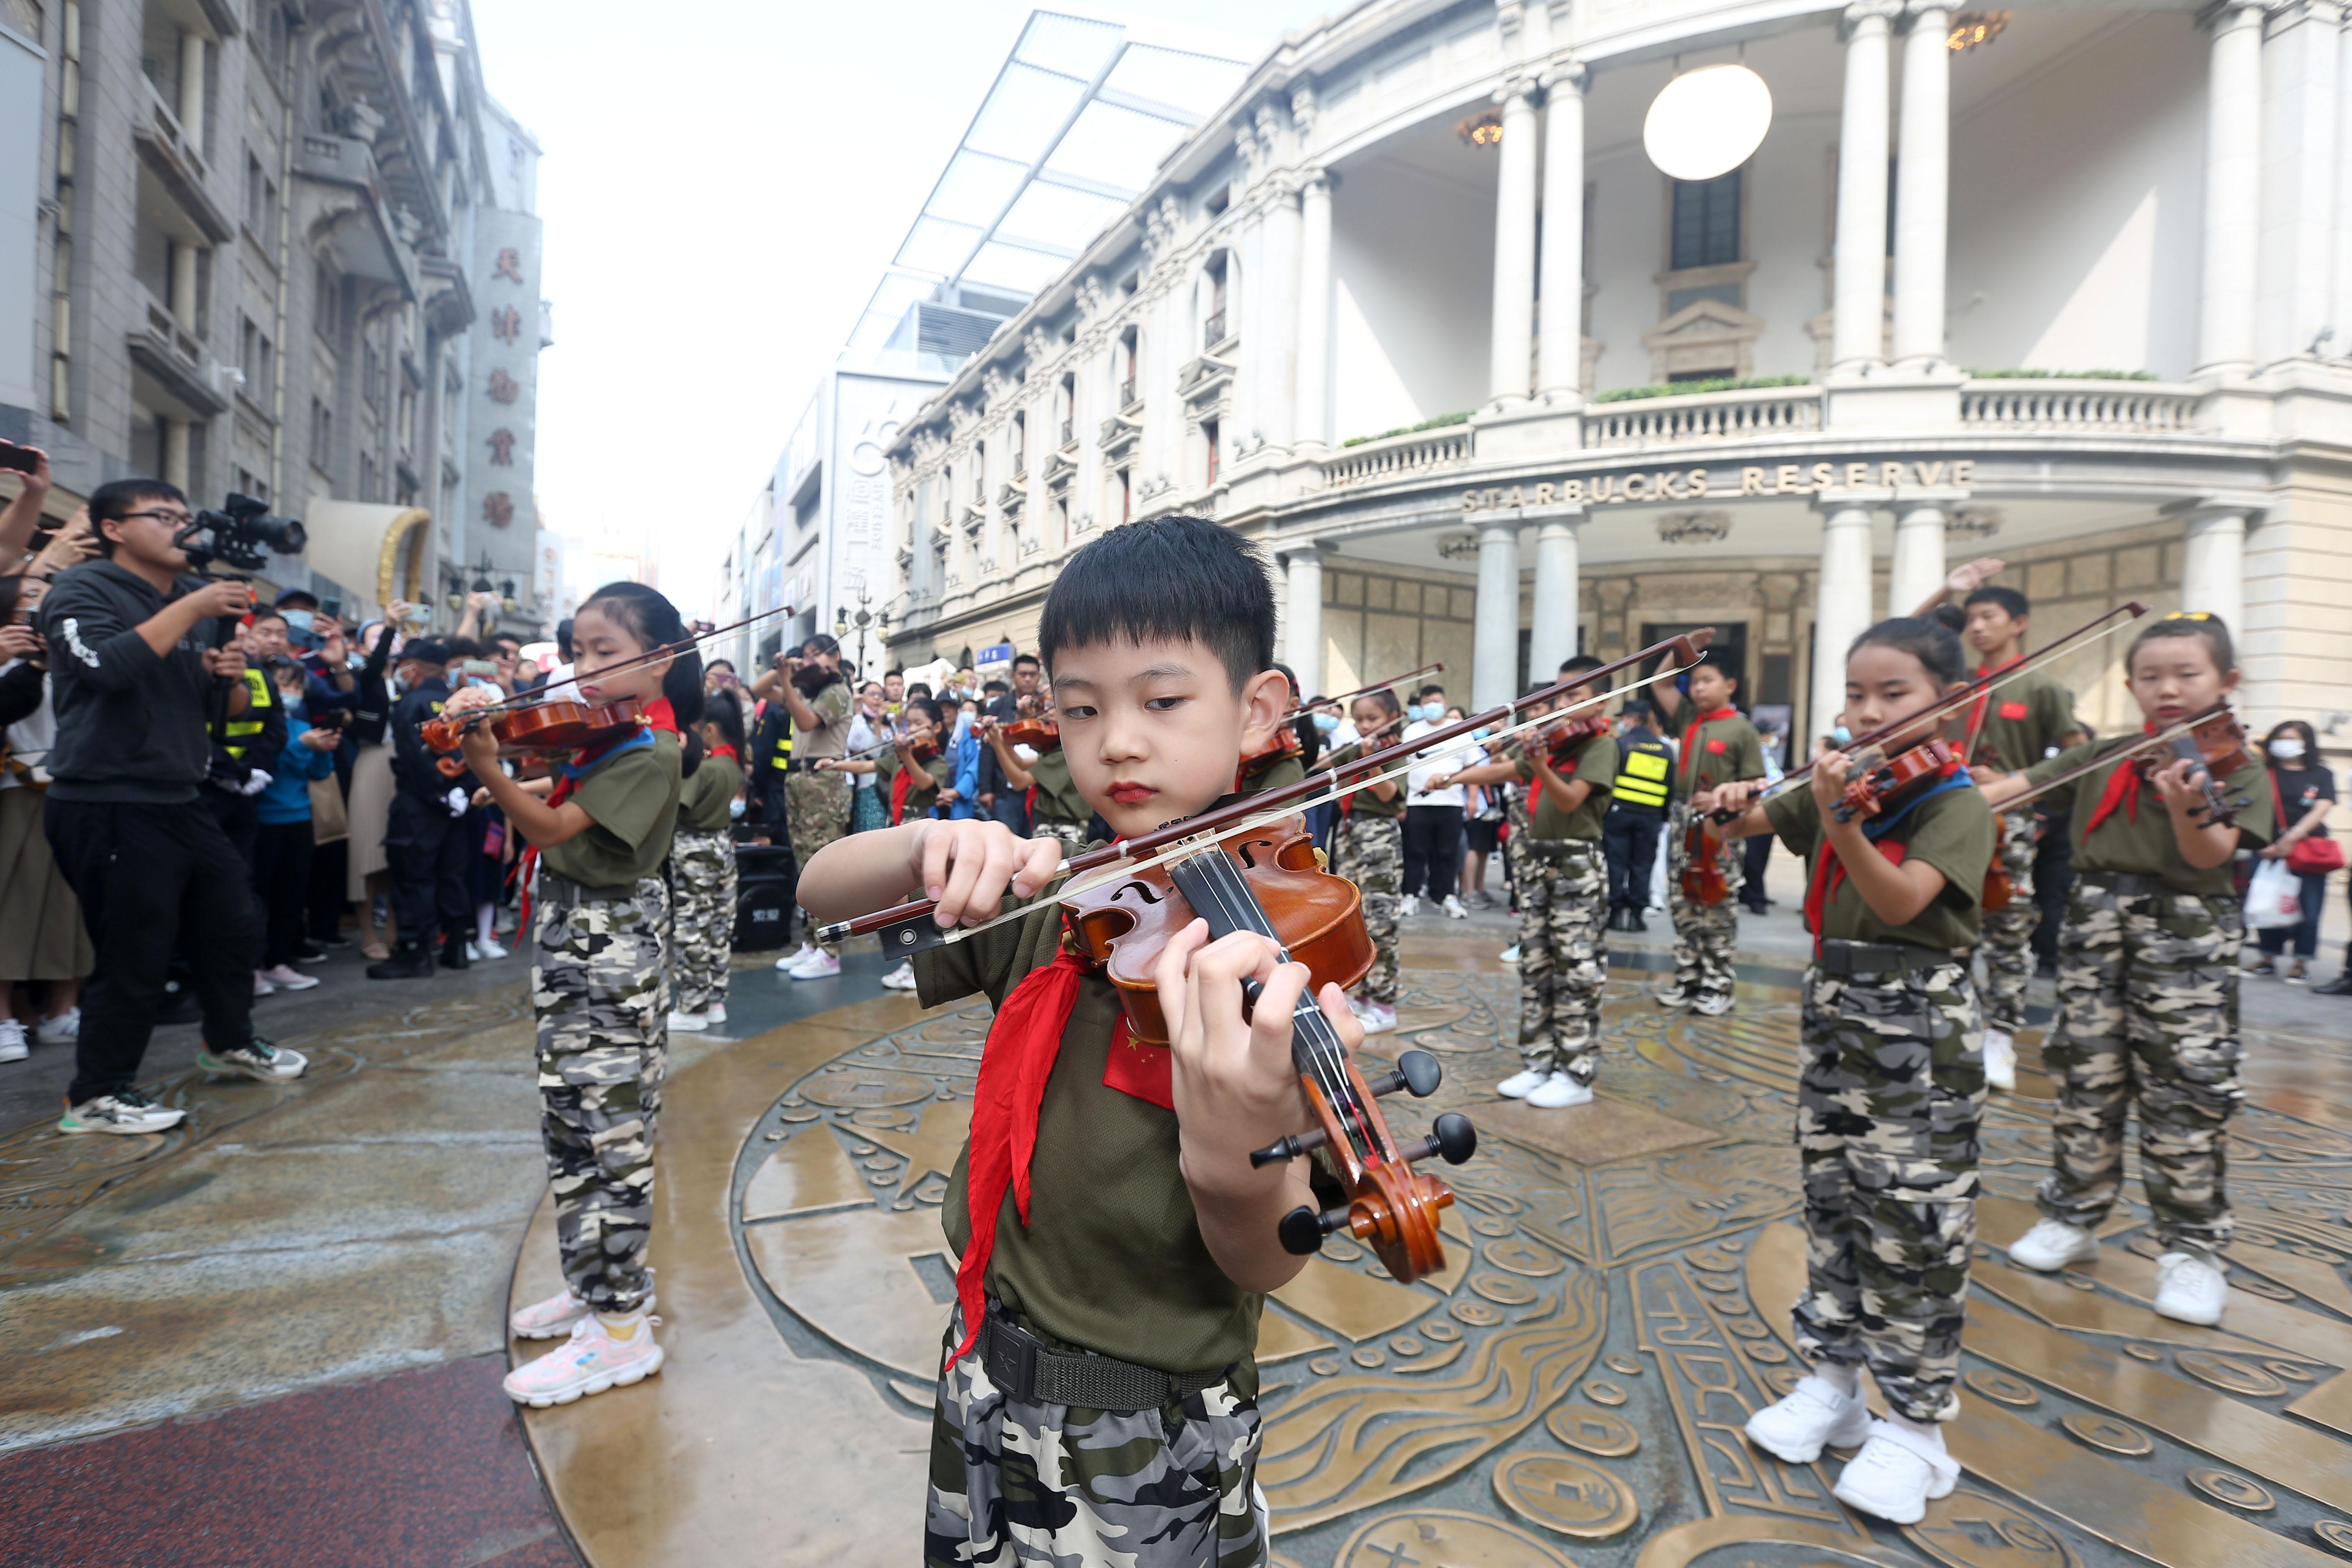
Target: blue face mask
1840	736
735	807
1479	733
1326	722
299	620
1427	712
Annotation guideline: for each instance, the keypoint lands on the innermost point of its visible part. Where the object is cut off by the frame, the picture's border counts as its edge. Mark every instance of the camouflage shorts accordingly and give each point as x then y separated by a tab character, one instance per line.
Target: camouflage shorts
1707	936
2009	933
1890	1090
1564	955
600	991
702	917
1056	1485
1369	852
2148	1013
817	807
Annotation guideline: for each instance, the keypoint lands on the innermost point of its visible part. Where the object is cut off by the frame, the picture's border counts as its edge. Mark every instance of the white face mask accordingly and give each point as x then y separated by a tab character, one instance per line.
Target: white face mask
2286	748
735	808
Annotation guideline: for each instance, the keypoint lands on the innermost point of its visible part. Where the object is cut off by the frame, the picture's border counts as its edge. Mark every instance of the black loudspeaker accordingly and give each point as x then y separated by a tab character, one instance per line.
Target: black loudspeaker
764	877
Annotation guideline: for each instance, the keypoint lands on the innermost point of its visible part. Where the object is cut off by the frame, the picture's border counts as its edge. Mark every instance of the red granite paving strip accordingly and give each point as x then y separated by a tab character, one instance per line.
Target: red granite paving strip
420	1469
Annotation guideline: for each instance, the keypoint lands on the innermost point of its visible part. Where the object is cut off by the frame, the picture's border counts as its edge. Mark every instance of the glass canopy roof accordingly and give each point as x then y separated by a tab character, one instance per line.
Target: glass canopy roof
1081	114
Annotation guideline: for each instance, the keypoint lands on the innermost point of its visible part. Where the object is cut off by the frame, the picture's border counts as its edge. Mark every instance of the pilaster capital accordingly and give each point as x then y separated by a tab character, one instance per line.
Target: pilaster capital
1517	90
1302	108
1318	180
1929	13
1868	18
2229	16
1564	73
1838	503
1305	553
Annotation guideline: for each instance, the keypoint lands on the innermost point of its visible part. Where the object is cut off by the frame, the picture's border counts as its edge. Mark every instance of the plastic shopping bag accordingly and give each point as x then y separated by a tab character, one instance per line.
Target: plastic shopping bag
2274	897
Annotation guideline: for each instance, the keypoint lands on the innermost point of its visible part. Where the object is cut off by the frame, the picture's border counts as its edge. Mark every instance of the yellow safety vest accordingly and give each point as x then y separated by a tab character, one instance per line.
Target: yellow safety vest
240	731
1640	779
784	740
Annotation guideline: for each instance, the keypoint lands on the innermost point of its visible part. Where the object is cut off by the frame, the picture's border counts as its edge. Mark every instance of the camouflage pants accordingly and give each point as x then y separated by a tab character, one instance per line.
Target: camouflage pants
1890	1089
2009	933
702	917
1056	1485
2148	1011
1564	955
1707	936
599	990
817	807
1369	852
1073	834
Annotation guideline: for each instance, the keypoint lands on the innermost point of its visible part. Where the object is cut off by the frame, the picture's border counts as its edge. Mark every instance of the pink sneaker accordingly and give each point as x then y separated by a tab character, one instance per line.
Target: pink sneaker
592	1363
553	1319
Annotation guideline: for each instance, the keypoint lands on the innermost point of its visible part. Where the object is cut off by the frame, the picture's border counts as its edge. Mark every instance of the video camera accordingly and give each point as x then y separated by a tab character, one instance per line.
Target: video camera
241	533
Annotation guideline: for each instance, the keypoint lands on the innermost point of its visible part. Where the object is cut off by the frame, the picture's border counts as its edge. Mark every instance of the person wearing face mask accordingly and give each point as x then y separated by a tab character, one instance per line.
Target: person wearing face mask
1432	816
2302	791
367	869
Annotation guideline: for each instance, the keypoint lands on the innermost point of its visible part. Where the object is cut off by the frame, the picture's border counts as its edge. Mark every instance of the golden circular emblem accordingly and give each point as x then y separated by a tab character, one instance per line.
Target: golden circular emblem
1565	1494
1602	1433
2144	1352
2229	1374
2292	1371
2335	1532
1504	1289
1431	1535
1622	1364
1999	1385
2236	1491
2107	1433
1969	1530
1600	1391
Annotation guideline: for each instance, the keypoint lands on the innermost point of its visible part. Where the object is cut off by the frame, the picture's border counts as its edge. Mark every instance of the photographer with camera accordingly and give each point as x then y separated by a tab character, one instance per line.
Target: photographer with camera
134	676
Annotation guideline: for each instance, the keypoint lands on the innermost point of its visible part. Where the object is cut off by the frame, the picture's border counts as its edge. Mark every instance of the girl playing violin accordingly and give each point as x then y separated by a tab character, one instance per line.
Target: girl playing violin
1368	849
2148	978
912	771
1059	811
600	989
1891	1084
702	865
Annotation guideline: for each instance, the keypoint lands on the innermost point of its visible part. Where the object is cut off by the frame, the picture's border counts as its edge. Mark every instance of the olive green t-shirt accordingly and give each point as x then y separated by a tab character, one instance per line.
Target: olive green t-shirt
1363	801
1954	832
2025	722
1111	1259
2140	842
831	738
632	796
703	798
1596	764
1722	750
1281	773
1058	799
923	792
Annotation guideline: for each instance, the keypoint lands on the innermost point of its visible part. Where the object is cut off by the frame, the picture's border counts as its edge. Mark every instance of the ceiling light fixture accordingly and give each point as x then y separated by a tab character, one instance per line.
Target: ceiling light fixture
1707	122
1481	130
1971	29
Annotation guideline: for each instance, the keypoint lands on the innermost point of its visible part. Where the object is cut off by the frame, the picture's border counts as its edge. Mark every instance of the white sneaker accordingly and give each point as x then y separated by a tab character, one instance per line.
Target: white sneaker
688	1022
1896	1474
1454	909
479	949
1518	1084
2189	1289
261	986
553	1318
2052	1245
819	965
1813	1416
1379	1017
1510	954
594	1362
1671	996
1408	905
1715	1004
286	977
901	978
12	1041
716	1012
62	1030
124	1111
1560	1091
2000	1059
792	960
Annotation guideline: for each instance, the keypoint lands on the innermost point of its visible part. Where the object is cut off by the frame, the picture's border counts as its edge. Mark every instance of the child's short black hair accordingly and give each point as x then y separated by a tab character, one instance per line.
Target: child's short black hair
1384	698
1427	692
1578	664
994	688
926	708
2016	604
1177	578
2209	628
1924	637
1719	660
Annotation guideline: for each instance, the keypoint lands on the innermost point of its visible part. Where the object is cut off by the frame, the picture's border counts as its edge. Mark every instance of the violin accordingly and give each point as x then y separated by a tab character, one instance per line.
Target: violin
1284	744
1038	733
1702	878
1878	781
1272	882
2217	744
922	748
539	728
1572	732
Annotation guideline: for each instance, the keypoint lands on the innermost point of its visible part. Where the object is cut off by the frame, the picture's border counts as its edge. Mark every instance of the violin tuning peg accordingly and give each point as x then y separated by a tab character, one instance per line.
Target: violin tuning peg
1415	1071
1290	1148
1302	1230
1451	1138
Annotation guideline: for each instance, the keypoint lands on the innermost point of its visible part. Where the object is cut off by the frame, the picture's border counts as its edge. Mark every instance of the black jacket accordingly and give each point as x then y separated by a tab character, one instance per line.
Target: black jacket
132	726
370	696
413	768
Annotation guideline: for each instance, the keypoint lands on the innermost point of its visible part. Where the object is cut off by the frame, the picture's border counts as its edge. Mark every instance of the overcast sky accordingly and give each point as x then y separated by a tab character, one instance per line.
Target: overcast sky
722	186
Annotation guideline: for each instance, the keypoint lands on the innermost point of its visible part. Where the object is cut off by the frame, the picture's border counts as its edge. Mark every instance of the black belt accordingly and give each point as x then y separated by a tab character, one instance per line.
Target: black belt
807	764
1840	956
1032	1374
2132	885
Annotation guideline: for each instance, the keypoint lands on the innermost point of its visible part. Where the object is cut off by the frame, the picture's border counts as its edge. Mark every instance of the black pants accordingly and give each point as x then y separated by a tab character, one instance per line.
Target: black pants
2054	881
1630	839
1758	850
150	878
281	880
1432	851
424	849
330	873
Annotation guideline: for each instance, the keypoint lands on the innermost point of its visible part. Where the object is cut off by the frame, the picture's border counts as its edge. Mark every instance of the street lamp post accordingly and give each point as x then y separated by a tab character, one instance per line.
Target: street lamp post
864	619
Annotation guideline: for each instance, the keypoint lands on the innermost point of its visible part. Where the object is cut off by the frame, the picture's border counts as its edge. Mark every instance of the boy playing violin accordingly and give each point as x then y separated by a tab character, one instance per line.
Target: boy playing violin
1719	746
1099	1397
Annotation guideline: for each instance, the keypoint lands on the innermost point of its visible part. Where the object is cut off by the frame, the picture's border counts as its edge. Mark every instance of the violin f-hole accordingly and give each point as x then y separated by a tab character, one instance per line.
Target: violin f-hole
1243	849
1141	889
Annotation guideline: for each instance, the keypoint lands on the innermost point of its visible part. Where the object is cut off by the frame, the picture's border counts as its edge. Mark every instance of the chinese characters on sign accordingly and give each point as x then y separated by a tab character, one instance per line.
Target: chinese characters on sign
509	265
503	388
505	323
498	507
502	446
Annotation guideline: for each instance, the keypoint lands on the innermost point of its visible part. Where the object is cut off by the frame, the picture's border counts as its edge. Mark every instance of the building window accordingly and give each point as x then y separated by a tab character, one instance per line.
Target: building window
322	435
1069	404
1126	494
256	358
1213	329
371	489
1020	445
1128	356
1705	222
1209	433
260	198
326	302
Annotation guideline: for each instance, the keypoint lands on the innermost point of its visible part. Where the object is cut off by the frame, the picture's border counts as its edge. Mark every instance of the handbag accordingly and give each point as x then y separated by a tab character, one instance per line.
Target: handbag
331	821
2307	856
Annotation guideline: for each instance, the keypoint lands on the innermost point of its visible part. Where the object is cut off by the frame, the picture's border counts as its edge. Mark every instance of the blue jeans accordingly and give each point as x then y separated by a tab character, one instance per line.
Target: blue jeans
2311	896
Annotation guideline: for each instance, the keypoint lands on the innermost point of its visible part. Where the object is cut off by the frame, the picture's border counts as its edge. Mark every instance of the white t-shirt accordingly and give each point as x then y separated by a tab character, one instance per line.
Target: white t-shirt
1427	768
30	738
863	736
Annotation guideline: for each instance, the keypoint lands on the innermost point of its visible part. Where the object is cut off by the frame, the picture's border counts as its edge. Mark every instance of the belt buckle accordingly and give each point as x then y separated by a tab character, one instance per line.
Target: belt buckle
1013	1365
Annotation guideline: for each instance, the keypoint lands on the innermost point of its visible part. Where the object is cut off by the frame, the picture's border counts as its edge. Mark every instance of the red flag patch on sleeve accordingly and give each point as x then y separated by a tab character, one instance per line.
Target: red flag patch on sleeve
2012	710
1717	747
1138	1070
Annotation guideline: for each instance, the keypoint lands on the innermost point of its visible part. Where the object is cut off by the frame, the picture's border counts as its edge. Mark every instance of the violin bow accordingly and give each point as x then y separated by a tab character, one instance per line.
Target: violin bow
2132	753
651	656
1982	686
905	928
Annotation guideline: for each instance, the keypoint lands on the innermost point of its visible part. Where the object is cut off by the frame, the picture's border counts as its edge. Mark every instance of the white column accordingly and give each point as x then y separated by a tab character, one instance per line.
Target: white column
2233	188
1302	640
1843	611
191	106
176	445
1923	185
2214	567
1559	350
1918	556
1277	320
1551	635
1314	422
1250	366
1860	291
1515	244
2307	40
184	284
1494	631
2343	311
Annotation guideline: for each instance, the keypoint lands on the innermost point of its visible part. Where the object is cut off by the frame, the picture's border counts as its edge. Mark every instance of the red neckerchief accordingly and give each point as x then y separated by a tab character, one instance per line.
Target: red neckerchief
727	752
1023	1044
1977	709
1535	795
659	715
1690	751
2122	790
902	784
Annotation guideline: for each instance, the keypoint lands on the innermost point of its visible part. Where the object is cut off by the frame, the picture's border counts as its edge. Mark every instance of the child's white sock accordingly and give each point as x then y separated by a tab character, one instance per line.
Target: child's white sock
622	1327
484	914
1930	1433
1843	1375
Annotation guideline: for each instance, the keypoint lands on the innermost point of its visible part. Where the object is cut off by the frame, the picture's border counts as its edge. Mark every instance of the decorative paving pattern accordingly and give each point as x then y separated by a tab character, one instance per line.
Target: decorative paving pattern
1569	1390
